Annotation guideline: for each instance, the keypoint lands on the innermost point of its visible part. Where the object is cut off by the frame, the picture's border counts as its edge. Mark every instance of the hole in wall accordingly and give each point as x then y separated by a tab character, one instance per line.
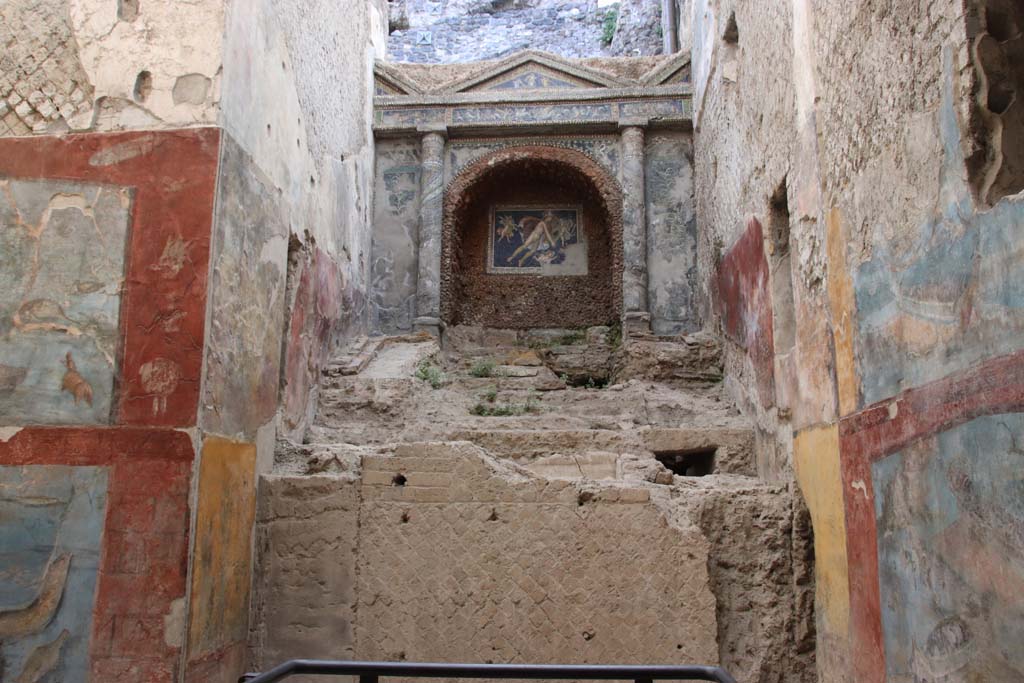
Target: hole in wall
405	517
695	462
143	86
127	10
398	480
995	154
781	266
493	517
1001	24
1000	97
588	381
731	35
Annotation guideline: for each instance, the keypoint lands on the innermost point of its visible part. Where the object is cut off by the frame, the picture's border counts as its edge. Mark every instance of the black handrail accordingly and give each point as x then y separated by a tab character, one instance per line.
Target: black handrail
370	672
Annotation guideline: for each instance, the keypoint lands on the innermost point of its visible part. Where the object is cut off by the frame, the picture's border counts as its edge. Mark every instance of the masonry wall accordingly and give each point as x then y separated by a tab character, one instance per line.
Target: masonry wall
150	261
881	328
495	566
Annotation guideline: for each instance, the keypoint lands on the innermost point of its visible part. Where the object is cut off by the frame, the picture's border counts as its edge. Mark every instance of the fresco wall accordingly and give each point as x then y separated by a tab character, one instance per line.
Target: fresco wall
157	288
106	240
910	459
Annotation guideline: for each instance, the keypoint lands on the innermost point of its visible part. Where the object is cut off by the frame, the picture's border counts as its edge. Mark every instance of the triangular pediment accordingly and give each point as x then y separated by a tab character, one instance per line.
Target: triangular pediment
389	82
673	71
532	70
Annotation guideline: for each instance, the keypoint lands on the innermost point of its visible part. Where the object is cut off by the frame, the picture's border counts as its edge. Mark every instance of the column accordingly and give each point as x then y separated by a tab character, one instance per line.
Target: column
428	279
669	27
636	317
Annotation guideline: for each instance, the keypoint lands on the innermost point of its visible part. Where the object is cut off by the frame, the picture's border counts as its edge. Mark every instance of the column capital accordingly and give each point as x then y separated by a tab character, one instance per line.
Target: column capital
627	122
433	128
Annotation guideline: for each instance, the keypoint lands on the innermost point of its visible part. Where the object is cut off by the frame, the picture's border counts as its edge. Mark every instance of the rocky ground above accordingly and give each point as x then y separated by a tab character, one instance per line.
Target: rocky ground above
455	31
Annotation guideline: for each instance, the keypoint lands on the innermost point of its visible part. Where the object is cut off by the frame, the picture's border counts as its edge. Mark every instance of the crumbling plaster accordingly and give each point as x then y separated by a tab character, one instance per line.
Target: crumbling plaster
305	125
88	65
173	41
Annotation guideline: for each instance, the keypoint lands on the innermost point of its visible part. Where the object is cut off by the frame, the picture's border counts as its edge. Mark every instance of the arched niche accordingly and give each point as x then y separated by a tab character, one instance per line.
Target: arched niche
492	210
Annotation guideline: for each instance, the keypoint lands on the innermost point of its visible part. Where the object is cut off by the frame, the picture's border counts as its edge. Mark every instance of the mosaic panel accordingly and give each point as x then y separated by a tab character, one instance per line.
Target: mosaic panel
546	240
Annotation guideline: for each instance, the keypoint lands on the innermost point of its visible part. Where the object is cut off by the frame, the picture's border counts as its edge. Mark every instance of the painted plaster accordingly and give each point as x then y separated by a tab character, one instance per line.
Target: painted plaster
951	295
816	462
247	290
144	477
221	563
950	515
913	417
62	254
744	302
51	522
172	176
170	41
322	308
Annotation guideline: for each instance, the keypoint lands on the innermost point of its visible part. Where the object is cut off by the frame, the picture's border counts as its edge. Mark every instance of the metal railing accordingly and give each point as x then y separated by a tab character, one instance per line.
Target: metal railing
371	672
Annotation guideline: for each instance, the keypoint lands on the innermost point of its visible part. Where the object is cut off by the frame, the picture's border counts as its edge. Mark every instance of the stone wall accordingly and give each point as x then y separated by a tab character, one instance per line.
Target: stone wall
495	566
441	552
453	31
844	223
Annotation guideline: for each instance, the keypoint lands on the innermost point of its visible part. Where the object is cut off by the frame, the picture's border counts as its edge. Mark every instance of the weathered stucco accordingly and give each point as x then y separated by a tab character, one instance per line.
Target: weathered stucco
105	65
903	297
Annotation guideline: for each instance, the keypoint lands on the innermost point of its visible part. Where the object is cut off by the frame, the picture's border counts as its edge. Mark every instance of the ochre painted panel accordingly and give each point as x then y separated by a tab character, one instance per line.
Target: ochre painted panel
222	556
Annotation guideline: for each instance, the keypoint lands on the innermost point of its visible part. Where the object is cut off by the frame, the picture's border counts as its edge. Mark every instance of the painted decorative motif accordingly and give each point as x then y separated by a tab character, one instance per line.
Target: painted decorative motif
533	80
602	148
950	515
535	240
62	263
532	113
51	523
410	117
671	108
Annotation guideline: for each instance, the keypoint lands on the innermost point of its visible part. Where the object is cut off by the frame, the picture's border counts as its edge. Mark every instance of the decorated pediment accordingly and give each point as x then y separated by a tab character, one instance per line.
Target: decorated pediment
529	71
389	82
675	71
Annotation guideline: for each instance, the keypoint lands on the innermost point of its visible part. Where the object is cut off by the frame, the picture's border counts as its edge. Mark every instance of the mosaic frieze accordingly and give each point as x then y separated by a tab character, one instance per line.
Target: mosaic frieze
399	118
512	113
527	114
51	524
672	108
532	80
62	262
603	149
544	240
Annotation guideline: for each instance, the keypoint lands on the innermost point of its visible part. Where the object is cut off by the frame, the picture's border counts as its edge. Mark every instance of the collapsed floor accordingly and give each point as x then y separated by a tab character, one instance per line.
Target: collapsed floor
558	496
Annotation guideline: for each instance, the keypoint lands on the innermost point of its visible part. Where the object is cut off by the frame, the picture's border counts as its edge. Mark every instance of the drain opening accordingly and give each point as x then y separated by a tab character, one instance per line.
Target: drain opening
696	462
